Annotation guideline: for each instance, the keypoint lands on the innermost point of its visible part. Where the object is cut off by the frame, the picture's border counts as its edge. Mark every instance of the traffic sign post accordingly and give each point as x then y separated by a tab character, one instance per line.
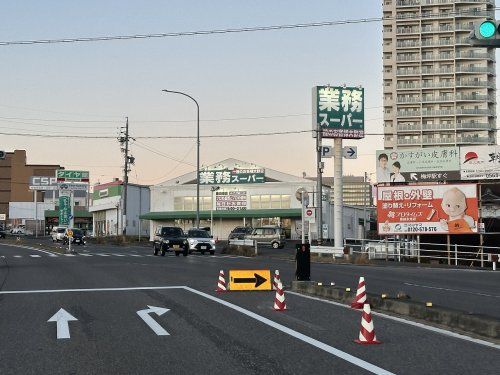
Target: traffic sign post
326	152
350	152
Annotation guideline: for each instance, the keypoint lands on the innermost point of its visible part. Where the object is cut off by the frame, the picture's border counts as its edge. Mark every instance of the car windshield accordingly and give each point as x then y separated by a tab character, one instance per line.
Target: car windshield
172	232
198	234
61	230
239	230
77	232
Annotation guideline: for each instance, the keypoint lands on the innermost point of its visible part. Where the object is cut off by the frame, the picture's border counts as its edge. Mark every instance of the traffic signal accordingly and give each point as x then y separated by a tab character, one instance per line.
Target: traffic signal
486	33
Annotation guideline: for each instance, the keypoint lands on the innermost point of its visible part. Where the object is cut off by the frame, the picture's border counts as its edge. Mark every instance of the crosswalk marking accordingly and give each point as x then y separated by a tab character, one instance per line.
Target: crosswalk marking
86	255
69	255
103	255
35	256
118	255
94	254
18	256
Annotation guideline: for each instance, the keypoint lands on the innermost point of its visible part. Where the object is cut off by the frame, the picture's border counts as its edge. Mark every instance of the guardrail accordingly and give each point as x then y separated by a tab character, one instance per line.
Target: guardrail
404	250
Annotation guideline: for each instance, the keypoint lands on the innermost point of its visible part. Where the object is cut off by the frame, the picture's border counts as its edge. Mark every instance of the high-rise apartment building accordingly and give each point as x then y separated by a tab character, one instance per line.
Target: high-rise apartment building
438	89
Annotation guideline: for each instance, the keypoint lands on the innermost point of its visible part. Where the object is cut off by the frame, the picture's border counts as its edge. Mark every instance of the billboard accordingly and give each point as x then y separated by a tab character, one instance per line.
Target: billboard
339	111
43	183
233	176
419	164
230	200
480	162
427	209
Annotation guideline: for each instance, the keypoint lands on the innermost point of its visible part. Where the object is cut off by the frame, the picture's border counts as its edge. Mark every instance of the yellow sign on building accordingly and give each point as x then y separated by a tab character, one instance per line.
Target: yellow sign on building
249	280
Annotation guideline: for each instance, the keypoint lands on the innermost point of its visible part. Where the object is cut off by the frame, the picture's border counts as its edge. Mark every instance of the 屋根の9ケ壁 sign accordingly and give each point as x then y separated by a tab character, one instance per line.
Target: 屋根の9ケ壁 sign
427	209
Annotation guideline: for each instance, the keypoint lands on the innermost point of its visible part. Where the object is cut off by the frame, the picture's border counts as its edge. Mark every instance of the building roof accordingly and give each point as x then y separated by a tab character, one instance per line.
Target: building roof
172	215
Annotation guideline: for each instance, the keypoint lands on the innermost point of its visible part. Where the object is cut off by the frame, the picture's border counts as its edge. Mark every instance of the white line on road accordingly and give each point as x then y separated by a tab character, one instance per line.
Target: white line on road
153	324
118	255
69	255
36	291
18	256
35	256
135	255
29	248
309	340
102	255
453	290
62	317
409	322
86	255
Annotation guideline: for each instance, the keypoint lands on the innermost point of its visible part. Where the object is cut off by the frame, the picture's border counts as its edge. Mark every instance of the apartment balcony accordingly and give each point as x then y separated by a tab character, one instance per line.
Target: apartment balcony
407	3
438	99
474	98
410	128
407	30
474	55
408	44
474	112
470	139
437	112
408	58
437	57
405	114
438	85
426	71
473	83
463	26
411	141
438	127
408	86
437	43
433	29
408	100
437	141
408	72
476	13
491	2
474	69
473	126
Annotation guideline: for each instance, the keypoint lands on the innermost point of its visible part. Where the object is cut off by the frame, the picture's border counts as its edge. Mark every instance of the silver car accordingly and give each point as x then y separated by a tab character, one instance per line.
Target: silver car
200	240
57	234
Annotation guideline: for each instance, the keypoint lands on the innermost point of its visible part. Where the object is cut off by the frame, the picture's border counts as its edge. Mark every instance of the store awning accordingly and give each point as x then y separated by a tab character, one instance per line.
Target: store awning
172	215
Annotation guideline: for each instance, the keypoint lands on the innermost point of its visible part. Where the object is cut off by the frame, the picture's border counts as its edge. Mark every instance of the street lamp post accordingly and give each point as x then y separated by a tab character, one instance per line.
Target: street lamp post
197	152
213	189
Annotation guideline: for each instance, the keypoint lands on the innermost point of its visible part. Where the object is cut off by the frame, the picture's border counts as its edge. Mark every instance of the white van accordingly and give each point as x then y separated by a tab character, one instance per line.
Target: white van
57	234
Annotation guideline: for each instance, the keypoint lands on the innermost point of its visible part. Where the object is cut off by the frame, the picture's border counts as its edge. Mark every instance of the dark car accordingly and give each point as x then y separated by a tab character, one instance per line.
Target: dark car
239	233
77	238
170	239
2	233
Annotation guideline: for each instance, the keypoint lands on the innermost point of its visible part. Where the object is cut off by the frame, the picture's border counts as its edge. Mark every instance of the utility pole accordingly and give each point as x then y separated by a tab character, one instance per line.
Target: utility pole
319	180
128	160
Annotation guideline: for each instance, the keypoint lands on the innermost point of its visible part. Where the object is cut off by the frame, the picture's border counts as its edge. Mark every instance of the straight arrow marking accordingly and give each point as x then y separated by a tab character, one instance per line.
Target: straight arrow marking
144	315
62	317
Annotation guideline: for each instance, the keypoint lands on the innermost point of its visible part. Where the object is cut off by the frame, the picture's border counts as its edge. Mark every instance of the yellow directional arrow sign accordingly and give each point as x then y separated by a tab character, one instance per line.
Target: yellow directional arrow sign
249	280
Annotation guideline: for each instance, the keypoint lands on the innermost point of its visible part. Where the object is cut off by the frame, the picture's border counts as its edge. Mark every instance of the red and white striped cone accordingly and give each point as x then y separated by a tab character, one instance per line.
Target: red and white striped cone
221	283
367	331
360	299
276	279
279	299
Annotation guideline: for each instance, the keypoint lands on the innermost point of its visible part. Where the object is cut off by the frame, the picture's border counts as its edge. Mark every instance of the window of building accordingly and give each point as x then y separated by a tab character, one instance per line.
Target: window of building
178	206
188	204
265	201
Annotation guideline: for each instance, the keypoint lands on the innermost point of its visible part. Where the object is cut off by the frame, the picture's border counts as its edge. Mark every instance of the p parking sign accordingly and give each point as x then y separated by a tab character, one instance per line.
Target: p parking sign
339	111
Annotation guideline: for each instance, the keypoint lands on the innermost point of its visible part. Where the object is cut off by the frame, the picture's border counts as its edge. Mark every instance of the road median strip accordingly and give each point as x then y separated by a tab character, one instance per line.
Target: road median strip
479	325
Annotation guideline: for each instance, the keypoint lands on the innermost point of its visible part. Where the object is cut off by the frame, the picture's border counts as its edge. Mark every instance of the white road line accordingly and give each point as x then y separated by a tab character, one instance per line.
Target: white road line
18	256
29	248
453	290
102	255
409	322
37	291
135	255
118	255
35	256
69	255
309	340
85	255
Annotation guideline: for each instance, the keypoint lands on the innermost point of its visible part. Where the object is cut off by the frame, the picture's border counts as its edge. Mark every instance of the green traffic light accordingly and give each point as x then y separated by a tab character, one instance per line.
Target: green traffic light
487	29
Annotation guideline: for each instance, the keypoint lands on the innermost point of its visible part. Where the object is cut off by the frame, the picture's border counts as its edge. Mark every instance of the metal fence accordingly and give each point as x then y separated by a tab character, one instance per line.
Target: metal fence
424	252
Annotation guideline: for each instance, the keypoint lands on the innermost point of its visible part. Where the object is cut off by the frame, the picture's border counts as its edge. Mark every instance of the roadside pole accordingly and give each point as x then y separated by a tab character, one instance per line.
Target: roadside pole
338	193
36	212
303	232
319	193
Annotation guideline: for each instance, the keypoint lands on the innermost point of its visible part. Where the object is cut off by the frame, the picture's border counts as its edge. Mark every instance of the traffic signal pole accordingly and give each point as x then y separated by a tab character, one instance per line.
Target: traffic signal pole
338	193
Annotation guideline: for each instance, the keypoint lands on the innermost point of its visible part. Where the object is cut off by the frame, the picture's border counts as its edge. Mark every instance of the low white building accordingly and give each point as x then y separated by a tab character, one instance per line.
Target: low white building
238	193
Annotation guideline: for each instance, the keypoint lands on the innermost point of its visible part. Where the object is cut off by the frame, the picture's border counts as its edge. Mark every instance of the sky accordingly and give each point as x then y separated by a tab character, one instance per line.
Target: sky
89	88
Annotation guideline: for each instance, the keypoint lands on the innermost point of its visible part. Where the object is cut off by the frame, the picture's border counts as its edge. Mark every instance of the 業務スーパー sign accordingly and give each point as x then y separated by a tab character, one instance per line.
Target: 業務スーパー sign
233	176
339	111
64	210
422	164
64	175
230	200
480	162
427	209
249	280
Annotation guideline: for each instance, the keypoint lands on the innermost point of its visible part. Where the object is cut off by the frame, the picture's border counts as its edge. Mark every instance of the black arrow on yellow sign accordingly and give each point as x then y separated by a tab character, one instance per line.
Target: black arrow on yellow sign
258	280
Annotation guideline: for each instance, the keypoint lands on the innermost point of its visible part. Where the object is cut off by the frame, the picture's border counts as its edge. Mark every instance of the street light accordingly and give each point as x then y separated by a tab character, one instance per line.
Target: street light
212	189
197	153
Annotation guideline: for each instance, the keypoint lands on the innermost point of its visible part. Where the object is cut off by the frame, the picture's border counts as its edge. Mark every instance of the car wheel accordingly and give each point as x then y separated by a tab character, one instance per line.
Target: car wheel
163	252
177	253
212	252
185	252
275	245
155	250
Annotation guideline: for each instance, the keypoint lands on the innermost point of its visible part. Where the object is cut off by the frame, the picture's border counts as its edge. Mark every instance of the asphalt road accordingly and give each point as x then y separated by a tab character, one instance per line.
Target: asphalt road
208	332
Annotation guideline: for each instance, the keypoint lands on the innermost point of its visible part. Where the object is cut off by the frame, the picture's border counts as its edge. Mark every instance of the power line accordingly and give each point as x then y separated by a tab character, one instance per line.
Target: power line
236	30
157	152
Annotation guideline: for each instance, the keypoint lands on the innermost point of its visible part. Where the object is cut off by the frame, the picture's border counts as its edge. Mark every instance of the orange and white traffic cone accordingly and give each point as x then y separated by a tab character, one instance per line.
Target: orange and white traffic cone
367	331
276	279
279	299
221	283
360	299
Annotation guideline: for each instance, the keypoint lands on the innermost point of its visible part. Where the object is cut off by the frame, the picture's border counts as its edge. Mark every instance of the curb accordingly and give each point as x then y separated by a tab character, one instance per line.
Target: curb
481	325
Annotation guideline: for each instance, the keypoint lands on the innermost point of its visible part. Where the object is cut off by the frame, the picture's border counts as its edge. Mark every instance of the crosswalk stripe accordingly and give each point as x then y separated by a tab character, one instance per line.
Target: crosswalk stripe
69	255
135	255
103	255
18	256
35	256
86	255
118	255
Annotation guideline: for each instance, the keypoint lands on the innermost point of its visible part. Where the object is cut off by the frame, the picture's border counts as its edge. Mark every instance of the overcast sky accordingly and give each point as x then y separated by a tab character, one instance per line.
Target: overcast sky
93	86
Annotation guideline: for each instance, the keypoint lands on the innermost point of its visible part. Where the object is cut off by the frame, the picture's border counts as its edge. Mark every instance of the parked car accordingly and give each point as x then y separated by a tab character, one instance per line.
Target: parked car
271	236
200	240
78	237
170	239
21	229
57	234
239	233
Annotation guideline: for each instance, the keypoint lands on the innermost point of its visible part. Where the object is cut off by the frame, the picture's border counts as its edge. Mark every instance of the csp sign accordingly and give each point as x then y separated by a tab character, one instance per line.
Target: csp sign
339	111
480	163
427	209
42	183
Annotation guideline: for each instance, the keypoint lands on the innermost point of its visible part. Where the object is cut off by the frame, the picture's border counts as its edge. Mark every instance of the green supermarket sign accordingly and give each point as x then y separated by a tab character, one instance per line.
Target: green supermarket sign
72	176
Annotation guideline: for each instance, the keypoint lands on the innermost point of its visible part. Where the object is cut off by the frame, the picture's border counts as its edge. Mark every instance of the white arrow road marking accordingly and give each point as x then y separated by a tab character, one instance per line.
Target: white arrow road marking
62	317
144	314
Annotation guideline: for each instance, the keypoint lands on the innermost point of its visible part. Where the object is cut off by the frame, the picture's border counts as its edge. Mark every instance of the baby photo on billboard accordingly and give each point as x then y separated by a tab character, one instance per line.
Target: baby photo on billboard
454	205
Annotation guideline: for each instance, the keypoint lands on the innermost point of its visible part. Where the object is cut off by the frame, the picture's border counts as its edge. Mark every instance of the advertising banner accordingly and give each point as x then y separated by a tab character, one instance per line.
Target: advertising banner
233	176
230	200
427	209
339	111
480	162
422	164
64	175
64	210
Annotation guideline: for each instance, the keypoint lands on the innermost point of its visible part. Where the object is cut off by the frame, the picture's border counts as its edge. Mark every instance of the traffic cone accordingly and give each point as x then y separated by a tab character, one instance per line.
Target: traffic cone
279	299
360	299
276	279
367	331
221	284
